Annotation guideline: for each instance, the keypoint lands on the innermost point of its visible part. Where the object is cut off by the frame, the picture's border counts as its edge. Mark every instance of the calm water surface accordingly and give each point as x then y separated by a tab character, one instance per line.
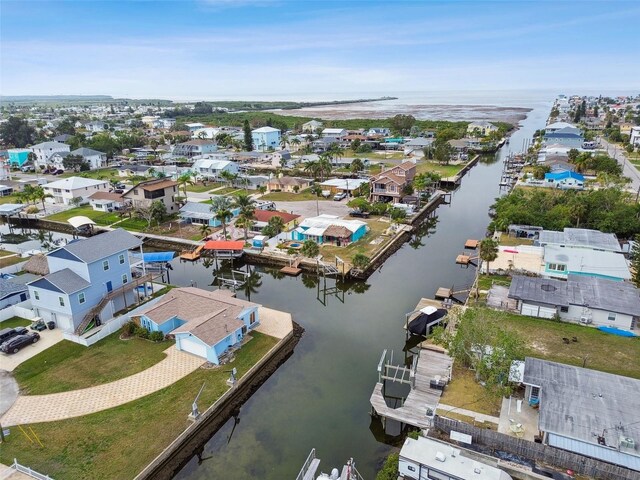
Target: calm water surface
320	396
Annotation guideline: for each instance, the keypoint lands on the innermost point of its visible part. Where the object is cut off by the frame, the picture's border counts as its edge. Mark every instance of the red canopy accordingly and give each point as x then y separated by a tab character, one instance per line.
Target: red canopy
224	245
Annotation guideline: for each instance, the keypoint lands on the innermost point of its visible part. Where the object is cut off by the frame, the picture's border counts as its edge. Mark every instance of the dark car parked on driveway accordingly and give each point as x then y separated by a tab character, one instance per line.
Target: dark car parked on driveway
358	213
17	343
9	333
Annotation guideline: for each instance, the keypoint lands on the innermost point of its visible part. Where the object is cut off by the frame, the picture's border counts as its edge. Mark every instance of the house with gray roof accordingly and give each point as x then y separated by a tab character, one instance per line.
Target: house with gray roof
89	281
585	411
581	299
11	292
94	158
580	238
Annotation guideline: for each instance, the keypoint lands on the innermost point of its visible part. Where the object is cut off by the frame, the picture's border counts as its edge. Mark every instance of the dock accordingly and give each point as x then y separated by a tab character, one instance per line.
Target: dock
463	259
293	269
193	255
444	292
428	376
471	244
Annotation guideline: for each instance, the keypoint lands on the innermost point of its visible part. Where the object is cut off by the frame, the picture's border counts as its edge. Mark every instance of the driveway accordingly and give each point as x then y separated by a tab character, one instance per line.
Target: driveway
308	208
47	339
76	403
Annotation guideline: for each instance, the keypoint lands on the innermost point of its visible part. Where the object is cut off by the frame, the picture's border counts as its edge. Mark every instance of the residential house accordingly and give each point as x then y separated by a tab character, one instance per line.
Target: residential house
89	280
324	143
330	229
559	262
585	411
66	190
481	128
165	123
415	147
350	186
206	132
424	458
580	238
18	156
207	324
95	127
634	137
212	167
585	300
194	148
262	217
94	158
5	190
201	214
288	184
62	137
43	151
311	126
625	128
144	193
12	293
134	170
265	138
555	126
569	137
106	201
338	133
564	180
387	186
192	127
378	131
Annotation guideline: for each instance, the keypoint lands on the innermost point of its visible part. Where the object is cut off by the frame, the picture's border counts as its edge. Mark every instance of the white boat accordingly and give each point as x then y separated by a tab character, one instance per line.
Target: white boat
310	468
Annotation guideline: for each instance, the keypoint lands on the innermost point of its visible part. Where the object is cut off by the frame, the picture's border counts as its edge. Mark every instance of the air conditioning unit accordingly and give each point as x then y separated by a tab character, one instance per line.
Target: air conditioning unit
627	442
585	320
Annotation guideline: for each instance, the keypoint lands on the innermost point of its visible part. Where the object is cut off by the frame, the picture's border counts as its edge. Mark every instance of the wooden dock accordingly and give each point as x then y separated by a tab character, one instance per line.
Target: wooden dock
192	256
444	292
471	244
294	270
430	365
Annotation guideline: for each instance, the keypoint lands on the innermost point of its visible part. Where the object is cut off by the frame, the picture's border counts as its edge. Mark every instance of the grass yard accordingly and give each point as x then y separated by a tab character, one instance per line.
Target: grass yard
363	245
424	166
9	258
508	241
293	197
605	352
200	188
134	224
14	322
464	392
119	442
68	366
101	218
486	281
13	198
100	174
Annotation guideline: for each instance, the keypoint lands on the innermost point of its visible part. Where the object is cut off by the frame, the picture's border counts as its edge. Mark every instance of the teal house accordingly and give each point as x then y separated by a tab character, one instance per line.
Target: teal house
330	229
18	156
210	325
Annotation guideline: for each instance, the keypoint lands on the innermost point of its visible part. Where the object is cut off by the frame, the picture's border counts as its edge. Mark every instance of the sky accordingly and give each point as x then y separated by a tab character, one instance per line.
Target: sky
249	49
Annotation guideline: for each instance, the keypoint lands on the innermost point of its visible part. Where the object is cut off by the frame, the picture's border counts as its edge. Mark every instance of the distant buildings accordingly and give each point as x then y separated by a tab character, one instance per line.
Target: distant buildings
265	138
481	128
311	126
212	167
194	147
569	137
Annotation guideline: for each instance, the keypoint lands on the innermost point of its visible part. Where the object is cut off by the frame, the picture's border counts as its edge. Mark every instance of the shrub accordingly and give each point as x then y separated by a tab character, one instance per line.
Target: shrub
32	209
142	332
129	328
156	336
360	261
390	468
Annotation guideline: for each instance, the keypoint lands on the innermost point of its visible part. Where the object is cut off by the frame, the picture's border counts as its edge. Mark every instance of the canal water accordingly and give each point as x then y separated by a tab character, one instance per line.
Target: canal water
320	397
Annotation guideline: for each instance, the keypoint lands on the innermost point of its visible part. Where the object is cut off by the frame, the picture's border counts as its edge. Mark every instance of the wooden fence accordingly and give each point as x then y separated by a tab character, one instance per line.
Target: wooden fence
536	451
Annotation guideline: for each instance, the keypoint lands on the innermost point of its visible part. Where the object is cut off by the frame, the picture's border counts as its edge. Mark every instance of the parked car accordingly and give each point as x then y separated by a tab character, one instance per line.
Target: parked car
58	172
359	214
339	196
9	333
17	343
39	325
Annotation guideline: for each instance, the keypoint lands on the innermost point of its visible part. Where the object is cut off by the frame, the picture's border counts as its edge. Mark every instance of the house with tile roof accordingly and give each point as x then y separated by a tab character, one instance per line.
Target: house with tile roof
262	217
387	186
144	193
207	324
85	274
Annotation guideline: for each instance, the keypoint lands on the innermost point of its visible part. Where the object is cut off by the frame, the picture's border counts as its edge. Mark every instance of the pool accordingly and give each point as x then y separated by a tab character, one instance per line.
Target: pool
295	245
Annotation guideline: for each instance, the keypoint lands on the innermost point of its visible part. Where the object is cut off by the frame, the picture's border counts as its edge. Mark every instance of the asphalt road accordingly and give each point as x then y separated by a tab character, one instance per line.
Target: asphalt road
628	168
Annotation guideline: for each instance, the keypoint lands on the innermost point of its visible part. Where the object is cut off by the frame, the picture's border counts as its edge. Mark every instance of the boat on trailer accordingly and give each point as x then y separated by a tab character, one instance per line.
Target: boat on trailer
312	463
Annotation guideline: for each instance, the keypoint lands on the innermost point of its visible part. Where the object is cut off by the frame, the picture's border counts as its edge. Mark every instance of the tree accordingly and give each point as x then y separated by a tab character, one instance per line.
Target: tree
573	154
184	180
66	126
248	138
274	227
17	132
442	151
317	191
324	165
480	343
539	171
488	250
228	177
247	208
205	230
360	261
402	123
635	262
310	249
357	165
40	194
221	207
356	144
76	163
397	214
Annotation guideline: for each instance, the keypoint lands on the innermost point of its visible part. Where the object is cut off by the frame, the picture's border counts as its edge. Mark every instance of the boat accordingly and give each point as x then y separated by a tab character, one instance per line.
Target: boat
311	465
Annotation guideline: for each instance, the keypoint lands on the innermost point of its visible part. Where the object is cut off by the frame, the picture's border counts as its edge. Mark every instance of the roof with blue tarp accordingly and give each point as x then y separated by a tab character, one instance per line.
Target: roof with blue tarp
563	175
153	257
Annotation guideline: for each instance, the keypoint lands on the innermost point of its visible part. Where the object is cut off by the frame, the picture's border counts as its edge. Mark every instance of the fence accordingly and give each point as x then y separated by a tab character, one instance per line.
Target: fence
536	451
17	310
15	466
108	328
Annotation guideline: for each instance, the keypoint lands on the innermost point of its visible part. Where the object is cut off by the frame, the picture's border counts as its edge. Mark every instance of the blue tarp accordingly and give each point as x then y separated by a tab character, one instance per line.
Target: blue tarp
153	257
617	331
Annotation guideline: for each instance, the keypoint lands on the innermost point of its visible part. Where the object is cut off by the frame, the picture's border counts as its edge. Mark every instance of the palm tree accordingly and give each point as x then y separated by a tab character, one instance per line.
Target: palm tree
283	141
488	251
39	194
357	165
184	180
276	225
296	143
221	207
245	223
228	177
324	165
247	208
205	230
317	191
312	168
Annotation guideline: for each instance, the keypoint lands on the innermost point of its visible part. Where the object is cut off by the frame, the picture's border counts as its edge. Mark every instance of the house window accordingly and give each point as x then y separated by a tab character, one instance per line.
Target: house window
611	317
535	392
81	298
36	295
105	265
61	300
125	279
121	258
252	318
558	267
564	309
135	191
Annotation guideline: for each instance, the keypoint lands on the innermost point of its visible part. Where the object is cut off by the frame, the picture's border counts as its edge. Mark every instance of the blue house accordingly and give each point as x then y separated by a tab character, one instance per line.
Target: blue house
265	138
18	156
330	229
564	179
206	324
89	281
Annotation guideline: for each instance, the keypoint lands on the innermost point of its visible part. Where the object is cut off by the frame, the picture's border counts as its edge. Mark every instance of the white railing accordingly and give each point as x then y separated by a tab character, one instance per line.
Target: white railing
15	466
306	464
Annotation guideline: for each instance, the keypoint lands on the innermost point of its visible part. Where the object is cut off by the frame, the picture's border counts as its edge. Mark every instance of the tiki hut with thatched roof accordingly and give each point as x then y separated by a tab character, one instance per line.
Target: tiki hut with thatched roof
37	265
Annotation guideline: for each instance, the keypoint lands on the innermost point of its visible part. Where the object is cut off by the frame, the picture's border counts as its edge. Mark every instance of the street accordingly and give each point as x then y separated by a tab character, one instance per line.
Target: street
628	168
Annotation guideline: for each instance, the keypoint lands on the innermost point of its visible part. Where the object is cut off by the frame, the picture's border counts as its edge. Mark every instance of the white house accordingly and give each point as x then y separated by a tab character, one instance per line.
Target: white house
206	132
43	151
265	138
94	158
212	167
95	127
586	300
192	127
106	201
194	148
634	137
65	190
311	126
338	133
482	128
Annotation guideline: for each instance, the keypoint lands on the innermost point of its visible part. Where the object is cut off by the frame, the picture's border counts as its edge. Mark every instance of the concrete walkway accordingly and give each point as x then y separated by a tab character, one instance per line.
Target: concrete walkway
479	417
60	406
274	322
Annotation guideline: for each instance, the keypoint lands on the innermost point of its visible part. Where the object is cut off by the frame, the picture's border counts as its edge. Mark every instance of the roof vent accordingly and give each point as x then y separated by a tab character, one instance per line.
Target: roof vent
477	470
548	288
441	457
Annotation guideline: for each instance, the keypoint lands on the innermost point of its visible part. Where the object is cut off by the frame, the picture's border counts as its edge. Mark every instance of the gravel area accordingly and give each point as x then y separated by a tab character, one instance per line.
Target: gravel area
308	208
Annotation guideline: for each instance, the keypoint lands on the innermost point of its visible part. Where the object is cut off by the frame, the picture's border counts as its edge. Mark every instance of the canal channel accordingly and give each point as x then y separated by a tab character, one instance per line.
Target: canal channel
320	397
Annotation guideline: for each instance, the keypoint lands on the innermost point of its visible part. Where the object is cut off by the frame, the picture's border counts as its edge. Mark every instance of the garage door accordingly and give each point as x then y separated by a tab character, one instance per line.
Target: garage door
193	346
531	310
547	312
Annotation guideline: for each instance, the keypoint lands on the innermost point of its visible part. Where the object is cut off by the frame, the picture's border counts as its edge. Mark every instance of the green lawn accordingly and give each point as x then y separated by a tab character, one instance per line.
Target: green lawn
100	174
605	352
135	224
9	258
101	218
119	442
69	366
364	246
292	197
14	322
200	188
486	281
424	166
13	198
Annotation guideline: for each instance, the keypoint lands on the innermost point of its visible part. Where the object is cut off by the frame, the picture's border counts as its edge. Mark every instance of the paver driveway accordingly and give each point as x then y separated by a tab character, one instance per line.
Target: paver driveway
59	406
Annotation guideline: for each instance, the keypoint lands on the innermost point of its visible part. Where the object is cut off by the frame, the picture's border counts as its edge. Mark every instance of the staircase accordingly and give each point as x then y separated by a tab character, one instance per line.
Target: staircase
91	314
